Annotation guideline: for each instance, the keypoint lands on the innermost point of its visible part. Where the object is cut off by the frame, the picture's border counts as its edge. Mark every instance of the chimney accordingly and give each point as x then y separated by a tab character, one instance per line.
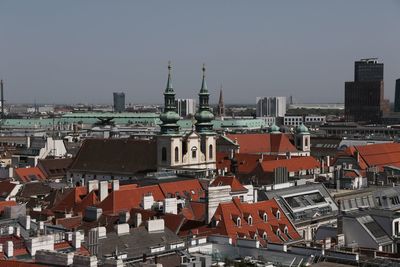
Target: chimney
92	185
124	216
357	156
9	249
137	219
115	185
328	161
17	231
148	202
103	190
156	225
76	240
27	222
171	205
122	229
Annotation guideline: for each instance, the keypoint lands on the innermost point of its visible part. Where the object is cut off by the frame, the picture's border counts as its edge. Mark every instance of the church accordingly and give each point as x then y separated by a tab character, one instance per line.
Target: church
194	150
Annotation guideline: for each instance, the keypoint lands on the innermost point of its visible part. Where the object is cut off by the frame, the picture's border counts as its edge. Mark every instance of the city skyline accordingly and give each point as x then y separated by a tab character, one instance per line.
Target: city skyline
90	50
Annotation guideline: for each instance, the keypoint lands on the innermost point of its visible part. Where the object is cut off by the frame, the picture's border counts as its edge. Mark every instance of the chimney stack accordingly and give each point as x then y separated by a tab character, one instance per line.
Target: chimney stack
115	185
103	190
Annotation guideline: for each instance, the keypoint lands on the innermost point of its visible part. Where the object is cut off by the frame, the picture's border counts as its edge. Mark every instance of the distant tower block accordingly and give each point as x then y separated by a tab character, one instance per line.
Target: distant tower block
2	98
119	102
221	106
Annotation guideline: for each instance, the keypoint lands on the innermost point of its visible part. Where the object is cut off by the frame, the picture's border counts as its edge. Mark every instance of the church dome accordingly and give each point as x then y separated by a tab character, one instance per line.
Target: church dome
302	129
169	117
274	129
204	116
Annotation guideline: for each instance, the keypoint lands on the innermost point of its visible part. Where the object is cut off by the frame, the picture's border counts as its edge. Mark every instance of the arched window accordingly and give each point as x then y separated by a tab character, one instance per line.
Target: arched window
164	154
194	154
210	151
278	215
286	231
250	220
176	154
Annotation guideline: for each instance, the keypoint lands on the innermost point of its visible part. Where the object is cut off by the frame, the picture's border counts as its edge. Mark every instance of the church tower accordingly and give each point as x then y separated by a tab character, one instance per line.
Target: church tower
204	126
169	145
303	140
221	106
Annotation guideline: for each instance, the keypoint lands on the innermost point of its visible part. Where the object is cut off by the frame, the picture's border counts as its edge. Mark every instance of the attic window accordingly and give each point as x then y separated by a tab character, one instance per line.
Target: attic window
278	215
250	220
264	236
265	217
238	221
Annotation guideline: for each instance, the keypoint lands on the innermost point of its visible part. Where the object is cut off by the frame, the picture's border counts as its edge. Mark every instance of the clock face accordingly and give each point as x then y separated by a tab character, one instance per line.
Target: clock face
194	148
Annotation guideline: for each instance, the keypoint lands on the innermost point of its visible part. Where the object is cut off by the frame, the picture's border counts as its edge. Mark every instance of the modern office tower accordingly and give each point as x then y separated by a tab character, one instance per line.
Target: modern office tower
397	97
119	102
186	107
364	98
271	106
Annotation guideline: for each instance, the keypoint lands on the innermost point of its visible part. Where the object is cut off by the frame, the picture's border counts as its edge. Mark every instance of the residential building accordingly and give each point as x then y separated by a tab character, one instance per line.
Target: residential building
271	106
185	107
119	102
308	206
293	120
264	221
364	97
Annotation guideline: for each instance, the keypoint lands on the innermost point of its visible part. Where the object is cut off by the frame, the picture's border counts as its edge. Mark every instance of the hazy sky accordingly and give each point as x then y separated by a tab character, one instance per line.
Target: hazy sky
81	51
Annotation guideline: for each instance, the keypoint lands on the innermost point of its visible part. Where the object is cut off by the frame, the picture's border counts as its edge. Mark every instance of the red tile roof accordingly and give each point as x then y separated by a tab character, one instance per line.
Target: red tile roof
234	183
29	174
292	165
124	200
263	143
70	223
6	187
228	213
377	155
4	204
12	263
186	188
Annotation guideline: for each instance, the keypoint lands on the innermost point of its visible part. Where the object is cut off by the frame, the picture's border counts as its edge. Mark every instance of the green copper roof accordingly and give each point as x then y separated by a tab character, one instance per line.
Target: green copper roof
204	116
302	129
274	129
169	117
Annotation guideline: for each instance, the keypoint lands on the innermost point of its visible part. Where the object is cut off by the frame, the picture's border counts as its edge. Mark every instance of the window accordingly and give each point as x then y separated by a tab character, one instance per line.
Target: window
194	154
238	222
286	231
265	217
210	151
250	220
176	154
306	141
164	154
278	215
265	236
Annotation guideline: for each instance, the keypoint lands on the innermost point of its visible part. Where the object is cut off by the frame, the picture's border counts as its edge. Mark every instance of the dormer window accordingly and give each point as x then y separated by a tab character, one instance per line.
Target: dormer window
265	236
278	232
286	231
250	220
238	222
278	215
265	217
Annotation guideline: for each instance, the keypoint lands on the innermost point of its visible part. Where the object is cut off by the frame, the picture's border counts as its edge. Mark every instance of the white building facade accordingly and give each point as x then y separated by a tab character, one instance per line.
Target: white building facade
271	106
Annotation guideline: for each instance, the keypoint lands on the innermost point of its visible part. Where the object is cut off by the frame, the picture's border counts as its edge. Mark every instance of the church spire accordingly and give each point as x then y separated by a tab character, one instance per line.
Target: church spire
169	117
221	106
204	115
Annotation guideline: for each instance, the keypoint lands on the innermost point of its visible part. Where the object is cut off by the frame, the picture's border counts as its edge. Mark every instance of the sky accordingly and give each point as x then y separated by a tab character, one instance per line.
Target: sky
81	51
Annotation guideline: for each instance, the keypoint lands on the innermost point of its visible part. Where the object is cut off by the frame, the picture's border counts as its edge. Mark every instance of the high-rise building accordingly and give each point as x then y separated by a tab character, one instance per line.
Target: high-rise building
119	102
186	107
364	97
397	97
271	106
